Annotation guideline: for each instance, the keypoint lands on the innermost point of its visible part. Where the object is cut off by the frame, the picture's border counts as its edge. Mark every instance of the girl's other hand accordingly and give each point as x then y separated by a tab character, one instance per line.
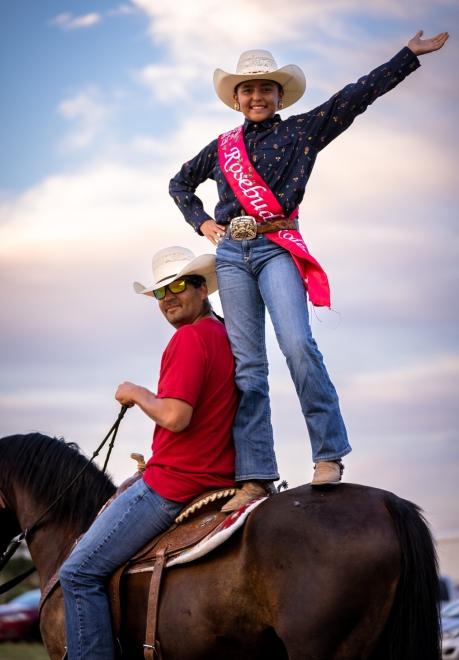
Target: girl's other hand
213	232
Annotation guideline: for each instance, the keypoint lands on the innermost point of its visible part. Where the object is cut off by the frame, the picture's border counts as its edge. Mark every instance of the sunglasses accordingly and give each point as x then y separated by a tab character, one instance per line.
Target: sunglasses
177	286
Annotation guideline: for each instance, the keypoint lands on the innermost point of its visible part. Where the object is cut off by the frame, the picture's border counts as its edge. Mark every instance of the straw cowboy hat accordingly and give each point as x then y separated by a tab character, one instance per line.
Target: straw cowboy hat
175	262
260	65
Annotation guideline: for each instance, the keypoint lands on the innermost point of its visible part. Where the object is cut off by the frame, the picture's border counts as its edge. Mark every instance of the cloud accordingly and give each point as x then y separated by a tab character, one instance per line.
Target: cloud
70	248
89	113
68	21
192	51
168	83
201	124
323	34
122	10
179	25
417	398
67	210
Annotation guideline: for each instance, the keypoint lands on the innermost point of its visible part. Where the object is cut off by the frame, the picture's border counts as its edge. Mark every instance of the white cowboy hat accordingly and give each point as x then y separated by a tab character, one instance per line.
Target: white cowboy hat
174	262
260	65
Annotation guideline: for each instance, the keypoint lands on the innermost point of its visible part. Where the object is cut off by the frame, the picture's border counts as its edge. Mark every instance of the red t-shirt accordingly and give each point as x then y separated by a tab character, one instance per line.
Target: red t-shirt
197	367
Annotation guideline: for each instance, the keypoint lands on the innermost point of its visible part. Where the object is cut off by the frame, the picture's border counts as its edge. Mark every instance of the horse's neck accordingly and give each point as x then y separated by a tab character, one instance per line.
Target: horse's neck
48	548
50	544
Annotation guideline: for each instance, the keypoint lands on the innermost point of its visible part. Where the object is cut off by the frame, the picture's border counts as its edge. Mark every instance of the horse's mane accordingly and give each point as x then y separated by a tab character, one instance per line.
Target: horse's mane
44	466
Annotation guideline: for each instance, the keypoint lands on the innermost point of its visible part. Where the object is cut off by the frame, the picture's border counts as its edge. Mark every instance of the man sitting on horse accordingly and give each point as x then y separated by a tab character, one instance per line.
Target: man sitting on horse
192	446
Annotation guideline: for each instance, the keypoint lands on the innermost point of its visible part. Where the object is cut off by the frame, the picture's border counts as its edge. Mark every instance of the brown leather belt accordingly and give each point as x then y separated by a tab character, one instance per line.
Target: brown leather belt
275	225
246	228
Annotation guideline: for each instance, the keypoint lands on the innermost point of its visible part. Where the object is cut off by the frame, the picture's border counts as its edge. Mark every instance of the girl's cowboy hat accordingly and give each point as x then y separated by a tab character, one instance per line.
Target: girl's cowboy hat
175	262
259	65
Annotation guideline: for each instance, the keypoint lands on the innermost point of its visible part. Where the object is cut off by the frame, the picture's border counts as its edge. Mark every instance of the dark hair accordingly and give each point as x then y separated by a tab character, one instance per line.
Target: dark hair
197	281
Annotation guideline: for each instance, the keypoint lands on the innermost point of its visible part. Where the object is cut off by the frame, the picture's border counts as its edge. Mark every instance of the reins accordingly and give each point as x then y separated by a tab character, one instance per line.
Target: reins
27	533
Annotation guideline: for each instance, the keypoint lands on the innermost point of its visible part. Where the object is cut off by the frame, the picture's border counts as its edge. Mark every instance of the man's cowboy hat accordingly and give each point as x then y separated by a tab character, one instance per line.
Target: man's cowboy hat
175	262
260	65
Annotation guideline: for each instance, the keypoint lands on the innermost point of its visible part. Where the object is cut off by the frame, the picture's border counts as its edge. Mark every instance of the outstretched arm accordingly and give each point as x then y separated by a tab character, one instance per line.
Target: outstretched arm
420	46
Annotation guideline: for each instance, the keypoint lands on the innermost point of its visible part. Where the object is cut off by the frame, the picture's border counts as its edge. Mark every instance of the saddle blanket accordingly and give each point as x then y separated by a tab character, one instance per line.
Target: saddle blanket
217	536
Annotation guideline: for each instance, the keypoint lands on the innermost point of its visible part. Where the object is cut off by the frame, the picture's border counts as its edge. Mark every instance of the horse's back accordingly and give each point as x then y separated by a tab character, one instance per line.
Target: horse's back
310	568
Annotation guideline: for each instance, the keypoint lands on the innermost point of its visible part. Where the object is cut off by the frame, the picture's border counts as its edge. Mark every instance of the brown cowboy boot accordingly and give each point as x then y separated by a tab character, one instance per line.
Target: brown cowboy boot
250	490
327	472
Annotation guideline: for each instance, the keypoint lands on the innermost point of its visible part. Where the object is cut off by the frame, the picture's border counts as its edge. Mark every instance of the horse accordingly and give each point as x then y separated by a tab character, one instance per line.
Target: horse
344	572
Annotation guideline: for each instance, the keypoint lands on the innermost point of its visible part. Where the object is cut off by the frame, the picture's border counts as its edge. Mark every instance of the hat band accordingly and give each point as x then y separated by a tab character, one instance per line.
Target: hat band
257	71
166	278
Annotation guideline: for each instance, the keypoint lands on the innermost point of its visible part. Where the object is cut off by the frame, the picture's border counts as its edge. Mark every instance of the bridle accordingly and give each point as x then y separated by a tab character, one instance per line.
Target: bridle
29	531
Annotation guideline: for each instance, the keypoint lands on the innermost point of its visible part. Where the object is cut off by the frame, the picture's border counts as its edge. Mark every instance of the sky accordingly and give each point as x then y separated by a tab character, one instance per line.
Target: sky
101	104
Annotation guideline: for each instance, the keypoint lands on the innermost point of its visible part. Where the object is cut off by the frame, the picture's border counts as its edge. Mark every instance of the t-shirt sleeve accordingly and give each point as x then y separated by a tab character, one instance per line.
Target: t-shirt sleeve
183	367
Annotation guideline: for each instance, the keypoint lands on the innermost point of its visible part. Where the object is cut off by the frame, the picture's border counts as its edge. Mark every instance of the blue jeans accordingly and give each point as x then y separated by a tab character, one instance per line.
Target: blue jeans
252	275
130	521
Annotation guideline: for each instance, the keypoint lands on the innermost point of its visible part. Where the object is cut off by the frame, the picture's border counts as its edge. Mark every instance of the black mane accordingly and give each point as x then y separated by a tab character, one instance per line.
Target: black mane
44	466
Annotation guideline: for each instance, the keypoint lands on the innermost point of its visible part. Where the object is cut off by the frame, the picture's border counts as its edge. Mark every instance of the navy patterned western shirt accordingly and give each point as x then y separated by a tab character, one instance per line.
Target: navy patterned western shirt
284	151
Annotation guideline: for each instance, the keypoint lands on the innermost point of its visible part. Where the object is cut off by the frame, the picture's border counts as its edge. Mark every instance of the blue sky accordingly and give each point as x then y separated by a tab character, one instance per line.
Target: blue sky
102	102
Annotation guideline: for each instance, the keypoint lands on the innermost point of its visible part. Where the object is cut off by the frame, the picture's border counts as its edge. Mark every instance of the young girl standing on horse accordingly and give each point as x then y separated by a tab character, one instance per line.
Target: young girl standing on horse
261	170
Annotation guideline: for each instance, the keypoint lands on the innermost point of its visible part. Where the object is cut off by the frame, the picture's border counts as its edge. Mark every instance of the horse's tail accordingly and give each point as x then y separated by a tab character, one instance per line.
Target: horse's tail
413	628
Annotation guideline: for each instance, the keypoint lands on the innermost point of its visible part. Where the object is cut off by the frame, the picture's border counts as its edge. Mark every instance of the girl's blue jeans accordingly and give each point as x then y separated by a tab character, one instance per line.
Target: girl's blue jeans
254	275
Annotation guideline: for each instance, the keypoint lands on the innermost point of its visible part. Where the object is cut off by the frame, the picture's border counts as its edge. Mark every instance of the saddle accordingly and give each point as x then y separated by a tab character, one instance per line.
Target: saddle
196	521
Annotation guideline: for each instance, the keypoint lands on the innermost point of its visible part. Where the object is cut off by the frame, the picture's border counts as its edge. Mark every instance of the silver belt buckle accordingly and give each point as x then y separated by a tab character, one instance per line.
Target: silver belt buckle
243	228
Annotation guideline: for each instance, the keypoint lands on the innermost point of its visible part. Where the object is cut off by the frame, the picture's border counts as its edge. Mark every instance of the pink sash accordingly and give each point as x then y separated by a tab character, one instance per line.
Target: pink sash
258	200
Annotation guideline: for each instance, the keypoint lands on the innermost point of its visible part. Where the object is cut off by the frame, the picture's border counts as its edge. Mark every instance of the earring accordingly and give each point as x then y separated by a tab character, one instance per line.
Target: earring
236	106
280	105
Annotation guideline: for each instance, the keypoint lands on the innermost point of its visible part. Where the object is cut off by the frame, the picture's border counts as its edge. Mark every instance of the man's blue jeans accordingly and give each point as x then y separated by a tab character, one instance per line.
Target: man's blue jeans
130	521
251	275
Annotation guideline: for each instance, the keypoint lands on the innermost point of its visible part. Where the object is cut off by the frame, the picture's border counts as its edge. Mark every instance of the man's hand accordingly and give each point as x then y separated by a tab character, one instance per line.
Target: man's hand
420	46
128	394
213	232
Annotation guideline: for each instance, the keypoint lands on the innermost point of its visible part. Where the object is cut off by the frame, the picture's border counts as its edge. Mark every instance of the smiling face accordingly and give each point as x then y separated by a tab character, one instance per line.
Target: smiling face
258	99
185	307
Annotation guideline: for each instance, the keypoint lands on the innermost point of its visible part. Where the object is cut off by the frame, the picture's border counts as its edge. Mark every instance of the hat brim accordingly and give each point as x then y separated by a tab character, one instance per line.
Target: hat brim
290	77
203	265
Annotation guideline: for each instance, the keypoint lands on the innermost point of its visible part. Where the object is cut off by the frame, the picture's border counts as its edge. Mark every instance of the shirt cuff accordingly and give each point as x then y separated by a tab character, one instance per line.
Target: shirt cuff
196	224
408	58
